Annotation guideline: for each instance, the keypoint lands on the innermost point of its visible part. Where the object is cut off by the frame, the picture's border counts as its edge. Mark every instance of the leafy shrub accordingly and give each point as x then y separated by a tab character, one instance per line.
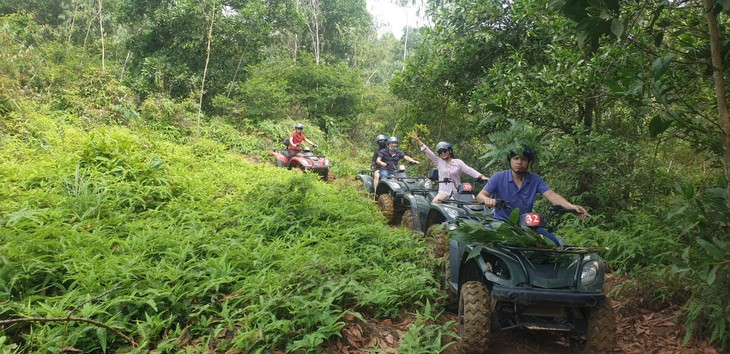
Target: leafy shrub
701	219
263	96
640	241
425	335
175	119
605	173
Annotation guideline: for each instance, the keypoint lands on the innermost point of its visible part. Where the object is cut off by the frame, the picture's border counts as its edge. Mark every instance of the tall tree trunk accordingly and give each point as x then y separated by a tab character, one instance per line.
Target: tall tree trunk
235	75
101	33
295	48
73	22
207	60
315	31
405	44
722	108
124	66
313	27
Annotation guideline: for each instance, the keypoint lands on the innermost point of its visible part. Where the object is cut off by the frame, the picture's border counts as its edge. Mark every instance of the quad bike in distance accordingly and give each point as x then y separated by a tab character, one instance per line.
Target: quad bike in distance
392	189
502	287
306	161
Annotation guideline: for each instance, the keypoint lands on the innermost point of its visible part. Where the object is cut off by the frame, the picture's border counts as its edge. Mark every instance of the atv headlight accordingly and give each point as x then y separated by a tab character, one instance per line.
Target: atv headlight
427	184
589	273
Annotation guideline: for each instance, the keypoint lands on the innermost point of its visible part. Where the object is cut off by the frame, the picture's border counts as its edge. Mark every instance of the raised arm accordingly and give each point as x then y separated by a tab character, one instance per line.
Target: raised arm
310	142
431	156
472	172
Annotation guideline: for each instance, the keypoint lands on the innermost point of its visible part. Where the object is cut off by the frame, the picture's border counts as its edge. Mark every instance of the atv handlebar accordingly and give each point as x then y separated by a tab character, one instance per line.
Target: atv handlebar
559	210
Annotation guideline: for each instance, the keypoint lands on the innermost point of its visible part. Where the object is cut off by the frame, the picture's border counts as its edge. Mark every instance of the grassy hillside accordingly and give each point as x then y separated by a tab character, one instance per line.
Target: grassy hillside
184	245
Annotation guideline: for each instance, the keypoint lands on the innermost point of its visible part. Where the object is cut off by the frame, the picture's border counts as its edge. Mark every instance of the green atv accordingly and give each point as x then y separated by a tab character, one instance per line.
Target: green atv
505	276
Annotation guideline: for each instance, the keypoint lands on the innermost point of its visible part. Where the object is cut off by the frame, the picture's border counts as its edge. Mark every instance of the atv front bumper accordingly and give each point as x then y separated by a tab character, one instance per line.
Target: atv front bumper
532	296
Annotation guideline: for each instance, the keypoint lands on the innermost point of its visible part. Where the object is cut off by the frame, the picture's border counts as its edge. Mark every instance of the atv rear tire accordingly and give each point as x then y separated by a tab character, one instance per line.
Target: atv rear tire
474	317
601	336
451	299
387	207
436	238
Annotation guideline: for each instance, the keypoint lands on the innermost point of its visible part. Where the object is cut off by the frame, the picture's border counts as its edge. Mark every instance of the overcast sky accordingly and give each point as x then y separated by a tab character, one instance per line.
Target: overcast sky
392	17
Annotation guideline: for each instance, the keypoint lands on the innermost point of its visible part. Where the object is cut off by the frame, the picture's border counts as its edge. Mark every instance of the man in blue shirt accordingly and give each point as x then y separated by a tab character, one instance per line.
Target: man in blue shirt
387	161
518	188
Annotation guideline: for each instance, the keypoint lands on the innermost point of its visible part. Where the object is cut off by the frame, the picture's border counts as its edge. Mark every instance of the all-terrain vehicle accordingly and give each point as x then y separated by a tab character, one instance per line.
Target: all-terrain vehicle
391	190
305	160
504	285
425	218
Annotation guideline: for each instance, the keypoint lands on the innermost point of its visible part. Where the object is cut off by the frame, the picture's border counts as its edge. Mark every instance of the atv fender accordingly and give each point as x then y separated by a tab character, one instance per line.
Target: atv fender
281	160
298	162
438	214
367	182
390	186
459	258
419	209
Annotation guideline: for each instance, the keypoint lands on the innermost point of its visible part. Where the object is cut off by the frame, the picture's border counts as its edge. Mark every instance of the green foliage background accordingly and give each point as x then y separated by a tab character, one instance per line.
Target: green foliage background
131	195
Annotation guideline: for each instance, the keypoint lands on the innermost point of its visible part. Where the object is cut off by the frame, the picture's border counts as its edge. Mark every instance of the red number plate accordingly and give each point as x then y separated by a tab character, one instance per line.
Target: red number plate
532	219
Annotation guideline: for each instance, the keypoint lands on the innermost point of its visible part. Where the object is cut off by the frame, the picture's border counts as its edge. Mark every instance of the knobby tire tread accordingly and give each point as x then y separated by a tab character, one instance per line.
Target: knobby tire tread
474	317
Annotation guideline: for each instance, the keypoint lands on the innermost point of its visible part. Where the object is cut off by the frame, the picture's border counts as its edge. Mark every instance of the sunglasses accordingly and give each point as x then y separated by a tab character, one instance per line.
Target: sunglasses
442	151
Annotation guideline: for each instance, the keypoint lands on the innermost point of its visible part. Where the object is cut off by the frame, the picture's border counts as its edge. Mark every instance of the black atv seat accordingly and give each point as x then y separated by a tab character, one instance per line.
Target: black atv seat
434	175
464	197
463	189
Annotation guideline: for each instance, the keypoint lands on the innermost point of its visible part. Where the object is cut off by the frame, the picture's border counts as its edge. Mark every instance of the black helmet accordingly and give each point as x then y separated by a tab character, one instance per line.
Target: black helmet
442	145
380	138
527	152
393	139
299	126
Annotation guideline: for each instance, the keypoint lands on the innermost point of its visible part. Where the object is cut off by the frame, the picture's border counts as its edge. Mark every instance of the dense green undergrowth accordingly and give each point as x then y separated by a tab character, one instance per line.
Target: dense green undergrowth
185	247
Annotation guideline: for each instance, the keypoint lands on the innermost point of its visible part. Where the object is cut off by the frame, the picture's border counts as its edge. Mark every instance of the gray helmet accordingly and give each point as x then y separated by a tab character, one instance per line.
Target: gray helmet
442	145
299	126
380	138
393	139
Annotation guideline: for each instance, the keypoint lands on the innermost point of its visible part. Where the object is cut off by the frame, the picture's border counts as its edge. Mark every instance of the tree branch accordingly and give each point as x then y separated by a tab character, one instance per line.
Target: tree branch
71	319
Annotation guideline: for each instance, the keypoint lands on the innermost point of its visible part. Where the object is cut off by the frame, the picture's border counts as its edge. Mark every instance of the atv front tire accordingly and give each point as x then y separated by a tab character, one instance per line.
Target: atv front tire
386	206
474	317
436	238
601	336
330	177
407	220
